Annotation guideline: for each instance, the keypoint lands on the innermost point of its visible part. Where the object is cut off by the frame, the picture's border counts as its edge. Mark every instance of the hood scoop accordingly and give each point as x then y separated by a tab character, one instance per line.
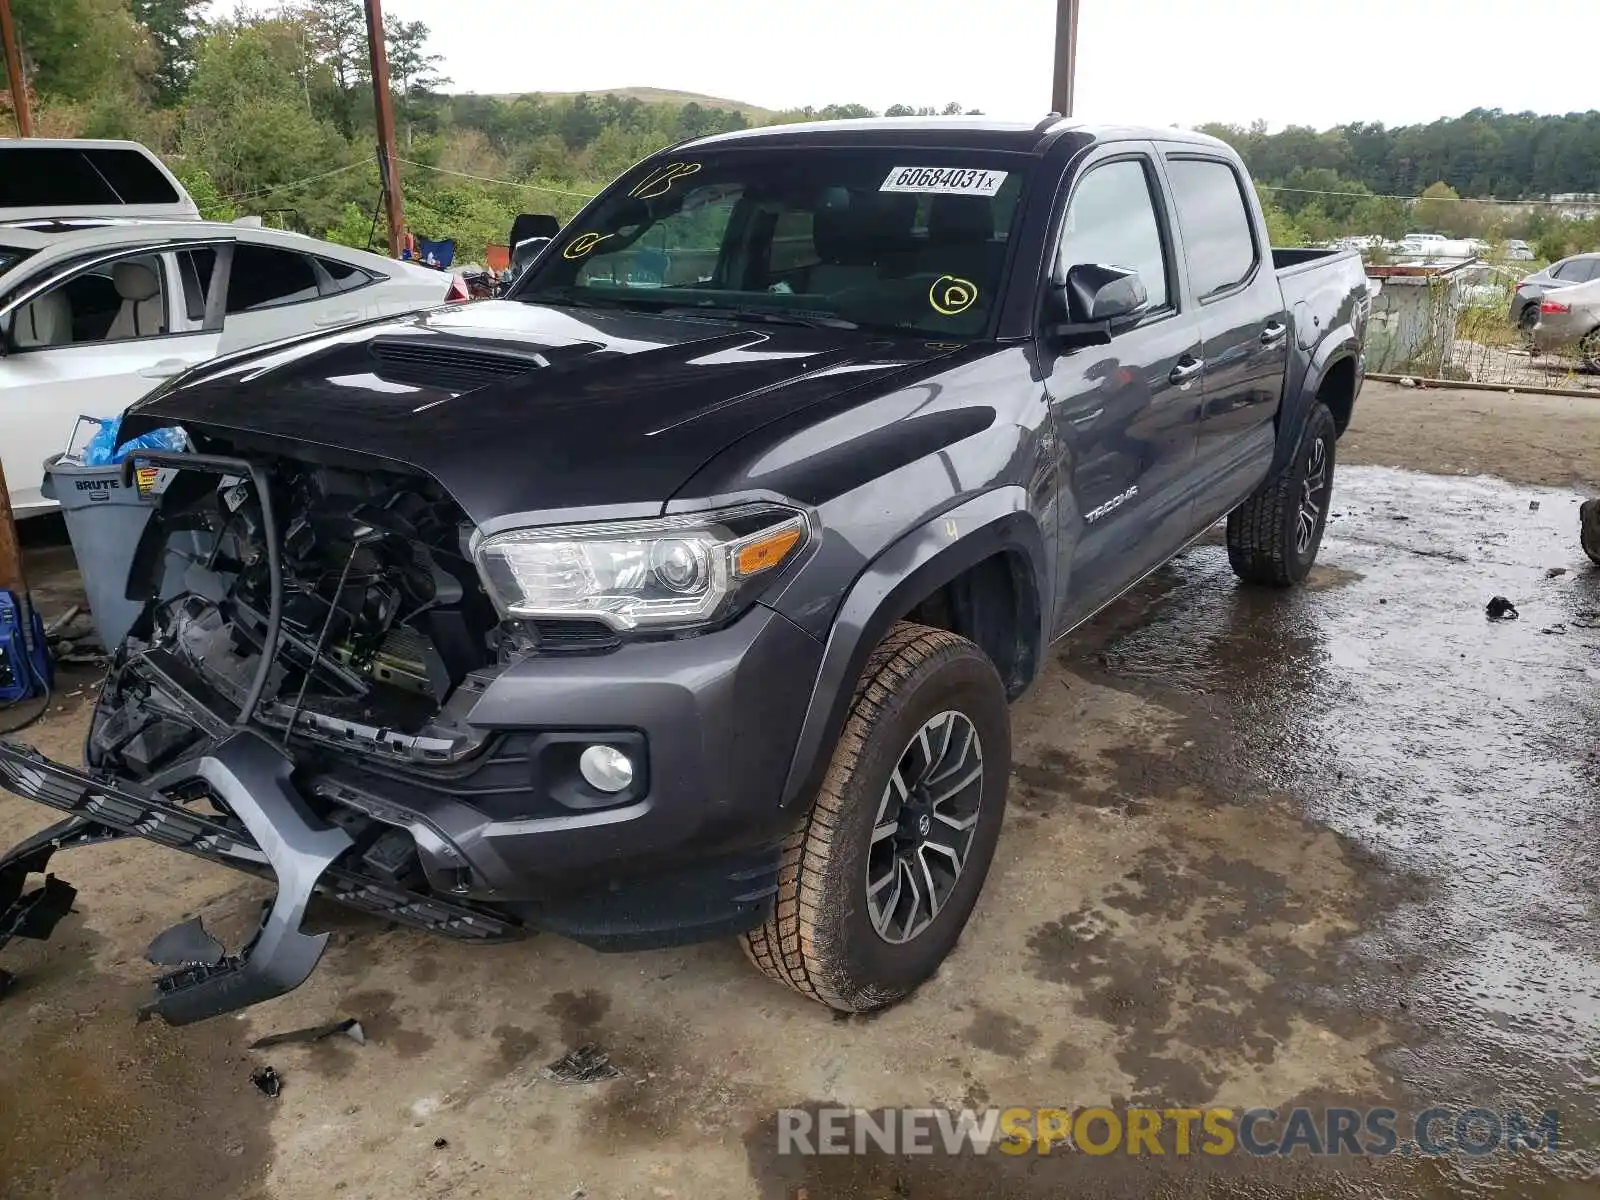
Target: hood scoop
435	363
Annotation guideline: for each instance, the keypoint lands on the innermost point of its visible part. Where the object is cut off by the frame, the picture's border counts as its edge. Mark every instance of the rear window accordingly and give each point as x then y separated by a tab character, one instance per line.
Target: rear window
58	175
1217	241
345	278
263	277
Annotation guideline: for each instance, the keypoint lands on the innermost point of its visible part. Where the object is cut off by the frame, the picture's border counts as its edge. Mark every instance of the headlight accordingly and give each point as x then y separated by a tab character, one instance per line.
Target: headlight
664	573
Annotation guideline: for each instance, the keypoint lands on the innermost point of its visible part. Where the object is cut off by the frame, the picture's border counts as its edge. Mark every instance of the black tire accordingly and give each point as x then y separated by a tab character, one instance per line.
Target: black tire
1589	529
1269	541
822	938
1528	318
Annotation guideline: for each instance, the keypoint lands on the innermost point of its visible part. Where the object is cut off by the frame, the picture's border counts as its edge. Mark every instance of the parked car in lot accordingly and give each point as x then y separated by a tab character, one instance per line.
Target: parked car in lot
1518	250
1569	321
1579	268
63	178
95	313
653	612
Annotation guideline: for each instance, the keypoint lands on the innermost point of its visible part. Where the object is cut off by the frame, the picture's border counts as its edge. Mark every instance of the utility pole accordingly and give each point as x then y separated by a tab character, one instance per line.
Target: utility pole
388	169
1066	56
18	86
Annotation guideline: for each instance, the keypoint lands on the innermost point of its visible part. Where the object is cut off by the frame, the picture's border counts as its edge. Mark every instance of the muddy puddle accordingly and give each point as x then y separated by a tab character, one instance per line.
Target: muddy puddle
1462	753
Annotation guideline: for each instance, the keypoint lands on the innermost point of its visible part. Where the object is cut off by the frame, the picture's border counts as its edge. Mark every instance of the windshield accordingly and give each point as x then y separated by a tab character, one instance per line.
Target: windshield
911	240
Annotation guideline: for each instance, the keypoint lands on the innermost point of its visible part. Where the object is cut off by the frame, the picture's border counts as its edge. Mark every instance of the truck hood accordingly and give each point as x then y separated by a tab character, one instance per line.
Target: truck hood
515	407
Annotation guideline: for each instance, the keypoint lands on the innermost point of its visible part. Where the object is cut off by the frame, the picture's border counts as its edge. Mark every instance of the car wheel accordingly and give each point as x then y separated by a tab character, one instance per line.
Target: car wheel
1589	529
1589	349
1273	536
1527	319
878	880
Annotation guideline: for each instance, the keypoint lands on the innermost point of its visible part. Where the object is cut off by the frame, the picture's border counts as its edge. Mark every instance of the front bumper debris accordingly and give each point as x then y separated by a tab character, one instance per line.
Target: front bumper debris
275	834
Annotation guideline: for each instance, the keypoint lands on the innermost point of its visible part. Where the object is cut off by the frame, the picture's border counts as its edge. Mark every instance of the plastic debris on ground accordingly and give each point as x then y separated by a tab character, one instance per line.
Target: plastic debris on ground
1501	609
314	1033
268	1082
586	1064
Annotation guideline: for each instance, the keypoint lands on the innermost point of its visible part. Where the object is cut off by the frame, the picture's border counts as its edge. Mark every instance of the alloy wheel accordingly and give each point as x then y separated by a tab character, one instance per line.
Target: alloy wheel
1313	496
923	833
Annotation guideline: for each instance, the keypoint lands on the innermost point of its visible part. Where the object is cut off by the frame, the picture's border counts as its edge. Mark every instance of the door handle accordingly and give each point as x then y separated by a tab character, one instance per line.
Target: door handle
339	318
1186	370
1273	333
165	369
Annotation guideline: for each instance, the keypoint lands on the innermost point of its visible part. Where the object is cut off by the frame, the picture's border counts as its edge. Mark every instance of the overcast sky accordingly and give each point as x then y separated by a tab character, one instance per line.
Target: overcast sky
1144	61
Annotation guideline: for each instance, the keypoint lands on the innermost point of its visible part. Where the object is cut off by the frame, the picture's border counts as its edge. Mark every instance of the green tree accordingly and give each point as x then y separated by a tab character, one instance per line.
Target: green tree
245	118
173	26
413	72
1440	210
335	32
84	50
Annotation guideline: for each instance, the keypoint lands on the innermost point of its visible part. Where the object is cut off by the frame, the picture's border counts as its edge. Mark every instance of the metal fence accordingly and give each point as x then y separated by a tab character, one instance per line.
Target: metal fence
1436	321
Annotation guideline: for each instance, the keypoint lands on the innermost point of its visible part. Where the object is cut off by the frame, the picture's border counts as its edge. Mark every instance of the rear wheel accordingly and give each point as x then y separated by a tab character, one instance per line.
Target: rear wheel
1527	319
1273	536
878	881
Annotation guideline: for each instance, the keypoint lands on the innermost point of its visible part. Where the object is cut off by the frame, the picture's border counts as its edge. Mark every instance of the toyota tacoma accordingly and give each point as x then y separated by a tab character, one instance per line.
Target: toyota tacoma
681	594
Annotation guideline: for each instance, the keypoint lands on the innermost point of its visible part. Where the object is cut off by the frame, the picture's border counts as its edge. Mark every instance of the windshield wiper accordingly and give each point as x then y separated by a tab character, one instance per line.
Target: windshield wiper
759	314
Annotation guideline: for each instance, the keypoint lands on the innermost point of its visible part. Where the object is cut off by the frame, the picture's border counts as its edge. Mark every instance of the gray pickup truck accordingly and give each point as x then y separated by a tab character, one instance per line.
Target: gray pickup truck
681	593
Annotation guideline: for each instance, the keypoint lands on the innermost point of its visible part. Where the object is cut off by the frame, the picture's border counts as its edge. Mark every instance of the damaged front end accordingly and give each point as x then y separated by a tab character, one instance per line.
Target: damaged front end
298	616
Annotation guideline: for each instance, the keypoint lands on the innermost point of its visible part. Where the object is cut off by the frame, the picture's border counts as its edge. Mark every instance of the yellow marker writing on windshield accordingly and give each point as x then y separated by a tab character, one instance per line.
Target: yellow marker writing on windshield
583	243
659	183
950	295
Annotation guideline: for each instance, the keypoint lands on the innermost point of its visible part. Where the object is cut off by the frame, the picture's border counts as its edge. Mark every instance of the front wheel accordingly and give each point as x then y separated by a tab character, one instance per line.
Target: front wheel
1273	536
879	879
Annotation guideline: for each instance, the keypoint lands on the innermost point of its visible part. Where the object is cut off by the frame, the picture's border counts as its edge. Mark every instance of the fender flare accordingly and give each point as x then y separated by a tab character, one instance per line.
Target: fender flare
1339	344
891	585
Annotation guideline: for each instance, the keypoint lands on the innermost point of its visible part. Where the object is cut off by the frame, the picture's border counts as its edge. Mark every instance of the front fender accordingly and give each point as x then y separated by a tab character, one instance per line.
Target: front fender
907	572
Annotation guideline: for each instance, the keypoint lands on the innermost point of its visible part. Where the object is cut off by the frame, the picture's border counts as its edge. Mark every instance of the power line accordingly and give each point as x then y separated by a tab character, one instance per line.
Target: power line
1266	187
532	187
227	200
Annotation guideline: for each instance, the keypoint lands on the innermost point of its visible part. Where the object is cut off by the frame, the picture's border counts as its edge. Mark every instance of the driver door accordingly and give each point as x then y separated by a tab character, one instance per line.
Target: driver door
1126	414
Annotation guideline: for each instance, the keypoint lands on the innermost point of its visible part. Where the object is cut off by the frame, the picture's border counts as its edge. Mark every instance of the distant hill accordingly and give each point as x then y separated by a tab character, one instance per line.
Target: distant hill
650	95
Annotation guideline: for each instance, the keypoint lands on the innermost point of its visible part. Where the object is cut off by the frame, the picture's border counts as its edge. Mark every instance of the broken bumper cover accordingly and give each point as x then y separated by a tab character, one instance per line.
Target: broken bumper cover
276	834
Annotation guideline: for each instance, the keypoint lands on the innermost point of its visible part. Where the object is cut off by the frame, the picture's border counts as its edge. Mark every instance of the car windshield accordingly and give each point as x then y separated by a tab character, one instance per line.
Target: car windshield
911	240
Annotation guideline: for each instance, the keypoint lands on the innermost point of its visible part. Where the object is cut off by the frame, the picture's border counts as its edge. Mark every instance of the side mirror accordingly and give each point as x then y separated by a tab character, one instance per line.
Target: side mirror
1099	293
1095	300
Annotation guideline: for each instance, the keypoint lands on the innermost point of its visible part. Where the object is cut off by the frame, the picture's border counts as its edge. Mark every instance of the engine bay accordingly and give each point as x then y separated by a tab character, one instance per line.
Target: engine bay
381	618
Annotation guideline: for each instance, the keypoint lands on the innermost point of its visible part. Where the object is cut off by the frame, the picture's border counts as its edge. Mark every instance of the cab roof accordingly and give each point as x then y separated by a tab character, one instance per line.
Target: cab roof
966	133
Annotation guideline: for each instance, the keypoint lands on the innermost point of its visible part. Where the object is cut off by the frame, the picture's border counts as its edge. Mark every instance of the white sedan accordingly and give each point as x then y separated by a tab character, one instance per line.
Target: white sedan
95	313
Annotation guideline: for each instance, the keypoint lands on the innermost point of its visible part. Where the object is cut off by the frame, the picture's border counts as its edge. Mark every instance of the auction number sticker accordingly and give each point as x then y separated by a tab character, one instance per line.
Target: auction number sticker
943	181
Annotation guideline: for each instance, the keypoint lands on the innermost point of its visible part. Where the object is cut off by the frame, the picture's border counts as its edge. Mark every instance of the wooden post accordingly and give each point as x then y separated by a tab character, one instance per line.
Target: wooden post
1066	57
12	577
388	169
14	80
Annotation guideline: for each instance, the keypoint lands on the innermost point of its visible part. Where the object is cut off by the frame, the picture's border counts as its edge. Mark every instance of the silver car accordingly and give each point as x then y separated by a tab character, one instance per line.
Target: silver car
1569	320
1579	268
